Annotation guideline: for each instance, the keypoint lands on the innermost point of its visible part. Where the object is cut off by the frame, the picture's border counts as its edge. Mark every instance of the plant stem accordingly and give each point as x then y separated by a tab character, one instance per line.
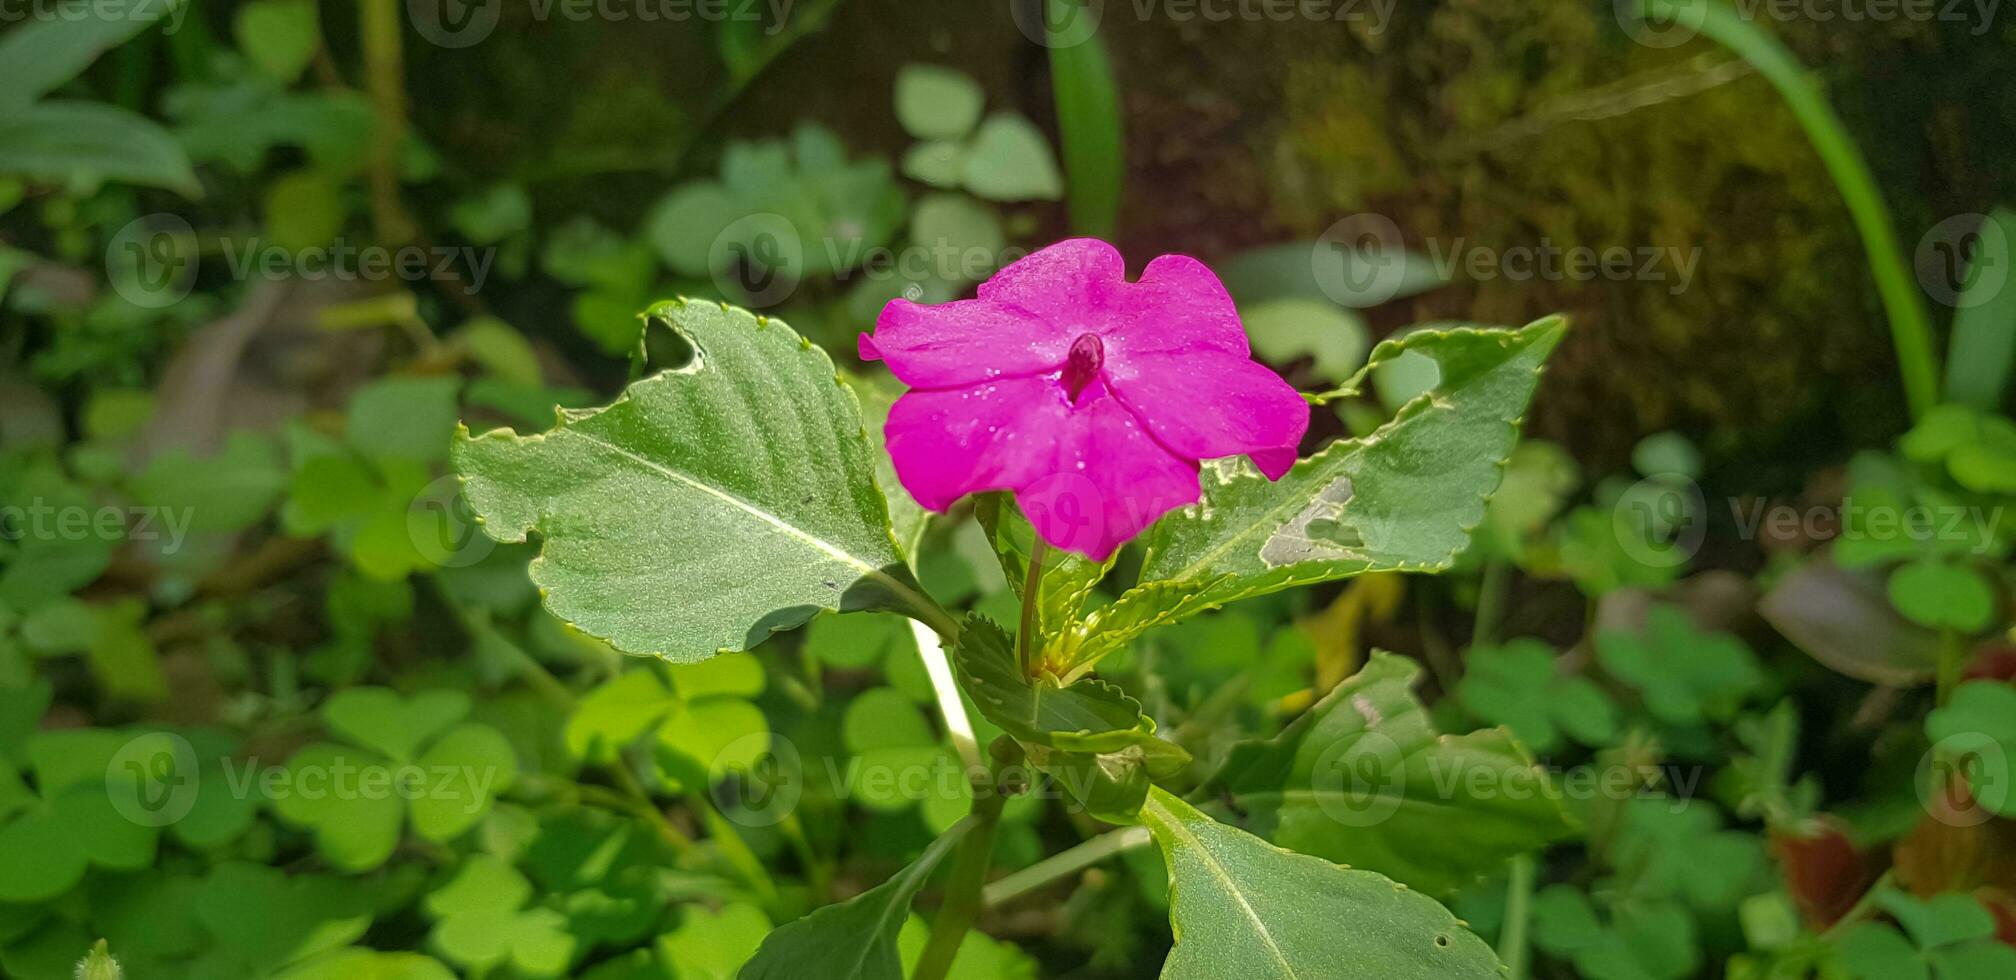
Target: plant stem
1491	590
1910	324
958	725
962	892
379	23
1952	663
1518	911
1058	865
1032	586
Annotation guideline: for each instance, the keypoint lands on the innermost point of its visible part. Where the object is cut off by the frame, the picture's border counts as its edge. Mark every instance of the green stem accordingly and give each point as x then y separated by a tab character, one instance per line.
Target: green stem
1910	325
380	23
1491	591
1952	663
1512	949
962	892
1058	865
1032	586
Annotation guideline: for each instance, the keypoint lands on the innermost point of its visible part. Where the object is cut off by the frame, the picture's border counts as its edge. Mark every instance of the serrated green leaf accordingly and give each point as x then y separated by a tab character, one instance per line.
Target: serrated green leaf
1089	735
1088	716
1365	779
1241	907
855	939
1404	499
706	508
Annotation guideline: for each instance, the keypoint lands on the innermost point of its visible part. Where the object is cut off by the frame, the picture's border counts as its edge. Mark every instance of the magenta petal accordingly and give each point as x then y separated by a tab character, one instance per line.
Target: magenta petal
994	436
1069	283
1126	482
1179	305
962	343
1206	404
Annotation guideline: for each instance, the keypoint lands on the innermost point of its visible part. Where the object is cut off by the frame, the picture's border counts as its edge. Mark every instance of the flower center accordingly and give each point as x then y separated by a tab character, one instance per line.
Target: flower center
1087	355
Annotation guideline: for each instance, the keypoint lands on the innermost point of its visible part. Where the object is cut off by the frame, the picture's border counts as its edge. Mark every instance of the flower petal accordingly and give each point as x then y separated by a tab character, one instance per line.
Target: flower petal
1088	476
1179	305
962	343
1070	283
1108	483
994	436
1207	404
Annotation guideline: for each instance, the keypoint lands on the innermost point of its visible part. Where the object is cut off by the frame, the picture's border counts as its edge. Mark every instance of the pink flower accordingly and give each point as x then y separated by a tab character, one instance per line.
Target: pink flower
1091	397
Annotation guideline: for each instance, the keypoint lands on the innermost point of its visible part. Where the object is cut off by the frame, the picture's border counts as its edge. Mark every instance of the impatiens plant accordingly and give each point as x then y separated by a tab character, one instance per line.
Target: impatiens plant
1084	416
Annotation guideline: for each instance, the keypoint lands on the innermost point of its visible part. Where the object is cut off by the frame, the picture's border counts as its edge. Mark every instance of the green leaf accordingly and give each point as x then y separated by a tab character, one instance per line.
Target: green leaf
1984	319
706	508
1009	160
1977	728
465	770
482	882
1365	779
907	518
937	103
267	919
939	163
1938	595
60	140
1243	908
1686	676
279	36
39	859
1090	735
379	718
1087	98
1517	685
408	418
855	939
1284	330
47	52
710	945
615	714
1404	498
1088	716
858	640
227	491
357	963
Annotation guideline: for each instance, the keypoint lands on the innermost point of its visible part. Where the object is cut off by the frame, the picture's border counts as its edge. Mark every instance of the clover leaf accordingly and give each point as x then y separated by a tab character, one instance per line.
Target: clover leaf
1940	595
480	923
406	758
1686	676
1977	727
1946	937
1517	685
